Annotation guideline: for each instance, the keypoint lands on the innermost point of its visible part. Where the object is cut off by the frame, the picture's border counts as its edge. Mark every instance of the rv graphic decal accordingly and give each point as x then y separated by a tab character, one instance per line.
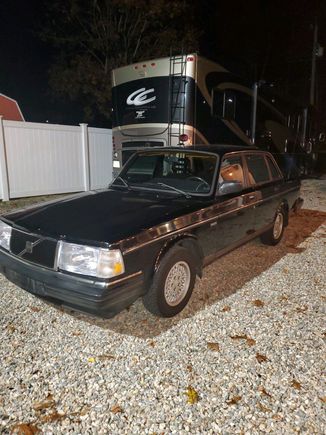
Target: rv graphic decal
139	97
140	114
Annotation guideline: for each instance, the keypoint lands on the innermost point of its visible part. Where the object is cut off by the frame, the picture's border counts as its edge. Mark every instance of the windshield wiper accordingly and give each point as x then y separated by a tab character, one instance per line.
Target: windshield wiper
175	189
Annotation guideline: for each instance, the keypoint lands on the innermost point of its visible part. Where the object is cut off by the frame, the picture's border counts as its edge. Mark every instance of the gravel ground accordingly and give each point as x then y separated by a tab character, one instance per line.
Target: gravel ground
246	356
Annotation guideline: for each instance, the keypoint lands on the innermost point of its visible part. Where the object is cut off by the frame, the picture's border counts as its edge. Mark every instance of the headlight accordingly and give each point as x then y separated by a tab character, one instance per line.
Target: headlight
89	260
5	234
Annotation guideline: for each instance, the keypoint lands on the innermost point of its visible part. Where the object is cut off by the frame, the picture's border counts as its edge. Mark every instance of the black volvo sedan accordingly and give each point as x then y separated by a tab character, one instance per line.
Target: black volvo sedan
168	213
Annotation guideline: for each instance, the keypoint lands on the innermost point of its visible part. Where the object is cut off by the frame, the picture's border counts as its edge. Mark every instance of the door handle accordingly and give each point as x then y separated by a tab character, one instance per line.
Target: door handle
252	196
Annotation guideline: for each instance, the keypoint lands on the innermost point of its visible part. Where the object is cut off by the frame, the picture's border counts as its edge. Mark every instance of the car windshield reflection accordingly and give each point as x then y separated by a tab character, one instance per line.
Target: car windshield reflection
187	173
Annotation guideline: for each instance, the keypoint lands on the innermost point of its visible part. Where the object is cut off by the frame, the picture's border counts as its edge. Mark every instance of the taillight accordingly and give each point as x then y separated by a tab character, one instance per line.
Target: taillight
183	137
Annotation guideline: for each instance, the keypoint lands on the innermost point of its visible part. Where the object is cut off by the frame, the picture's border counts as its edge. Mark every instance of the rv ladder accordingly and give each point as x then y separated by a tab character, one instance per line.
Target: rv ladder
177	93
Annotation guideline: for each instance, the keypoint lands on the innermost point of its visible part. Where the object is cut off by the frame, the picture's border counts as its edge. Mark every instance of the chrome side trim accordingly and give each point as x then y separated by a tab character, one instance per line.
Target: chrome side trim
188	222
118	281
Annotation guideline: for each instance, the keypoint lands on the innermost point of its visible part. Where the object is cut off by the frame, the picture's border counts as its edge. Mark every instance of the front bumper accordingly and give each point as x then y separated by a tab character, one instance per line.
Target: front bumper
97	297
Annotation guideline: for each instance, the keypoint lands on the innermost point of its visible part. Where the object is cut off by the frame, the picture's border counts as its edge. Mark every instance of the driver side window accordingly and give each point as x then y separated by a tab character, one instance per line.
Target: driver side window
231	177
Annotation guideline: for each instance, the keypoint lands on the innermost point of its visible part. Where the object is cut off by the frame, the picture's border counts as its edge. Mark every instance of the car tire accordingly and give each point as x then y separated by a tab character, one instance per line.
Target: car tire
172	284
274	235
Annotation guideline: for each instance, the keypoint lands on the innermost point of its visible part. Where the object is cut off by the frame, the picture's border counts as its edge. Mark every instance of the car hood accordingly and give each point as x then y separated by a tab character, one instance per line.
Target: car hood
103	216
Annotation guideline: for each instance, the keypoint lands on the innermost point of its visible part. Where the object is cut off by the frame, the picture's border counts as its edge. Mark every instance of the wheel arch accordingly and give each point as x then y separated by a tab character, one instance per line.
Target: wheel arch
285	206
188	241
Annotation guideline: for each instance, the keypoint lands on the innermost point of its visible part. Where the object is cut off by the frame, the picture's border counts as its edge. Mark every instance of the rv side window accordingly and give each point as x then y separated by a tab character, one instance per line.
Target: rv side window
223	104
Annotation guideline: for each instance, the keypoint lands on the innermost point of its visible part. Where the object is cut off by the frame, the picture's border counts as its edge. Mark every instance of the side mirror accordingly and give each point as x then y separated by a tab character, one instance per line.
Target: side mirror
223	104
228	187
321	137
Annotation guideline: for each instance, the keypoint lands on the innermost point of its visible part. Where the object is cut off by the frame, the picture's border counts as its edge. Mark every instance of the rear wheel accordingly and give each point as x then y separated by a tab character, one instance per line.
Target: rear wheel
172	284
274	235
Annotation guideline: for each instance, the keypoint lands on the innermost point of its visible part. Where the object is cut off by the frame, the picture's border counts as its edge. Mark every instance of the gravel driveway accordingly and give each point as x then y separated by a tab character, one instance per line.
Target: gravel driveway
246	356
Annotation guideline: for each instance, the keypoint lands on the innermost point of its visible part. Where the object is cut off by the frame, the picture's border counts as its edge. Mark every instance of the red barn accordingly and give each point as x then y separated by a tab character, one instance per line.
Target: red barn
9	109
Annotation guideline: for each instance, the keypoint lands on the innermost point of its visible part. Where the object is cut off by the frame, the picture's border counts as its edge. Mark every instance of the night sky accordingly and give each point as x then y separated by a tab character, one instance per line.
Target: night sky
270	40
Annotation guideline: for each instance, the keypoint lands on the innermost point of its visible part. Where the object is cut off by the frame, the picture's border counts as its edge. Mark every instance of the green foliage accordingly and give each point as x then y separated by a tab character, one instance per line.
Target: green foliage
93	37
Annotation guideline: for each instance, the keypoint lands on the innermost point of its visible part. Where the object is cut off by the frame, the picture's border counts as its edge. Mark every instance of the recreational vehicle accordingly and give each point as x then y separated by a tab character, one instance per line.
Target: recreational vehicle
188	100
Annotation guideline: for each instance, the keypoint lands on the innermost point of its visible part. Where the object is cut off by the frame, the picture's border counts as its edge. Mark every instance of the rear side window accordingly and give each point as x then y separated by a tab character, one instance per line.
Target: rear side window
274	171
257	169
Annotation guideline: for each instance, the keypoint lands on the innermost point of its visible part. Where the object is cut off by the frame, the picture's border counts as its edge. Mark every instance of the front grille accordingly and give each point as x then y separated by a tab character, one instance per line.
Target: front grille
33	248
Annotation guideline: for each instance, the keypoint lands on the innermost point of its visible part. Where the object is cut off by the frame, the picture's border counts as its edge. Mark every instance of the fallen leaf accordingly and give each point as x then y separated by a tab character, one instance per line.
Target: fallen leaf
189	368
323	399
258	303
302	309
44	404
234	400
104	357
213	346
152	343
277	417
295	384
54	416
24	429
226	308
91	359
11	328
239	337
261	358
192	395
264	392
284	298
263	408
35	309
286	270
116	409
251	341
76	333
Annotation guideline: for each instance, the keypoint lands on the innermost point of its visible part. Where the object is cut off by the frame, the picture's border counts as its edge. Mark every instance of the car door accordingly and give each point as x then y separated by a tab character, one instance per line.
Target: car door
233	211
265	182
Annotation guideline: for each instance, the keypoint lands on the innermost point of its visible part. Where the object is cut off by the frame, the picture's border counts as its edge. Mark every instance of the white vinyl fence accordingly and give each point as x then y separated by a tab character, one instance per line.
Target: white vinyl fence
41	159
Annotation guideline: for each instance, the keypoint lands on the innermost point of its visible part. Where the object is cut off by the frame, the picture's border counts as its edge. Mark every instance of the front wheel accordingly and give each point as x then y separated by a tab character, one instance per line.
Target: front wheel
172	284
274	235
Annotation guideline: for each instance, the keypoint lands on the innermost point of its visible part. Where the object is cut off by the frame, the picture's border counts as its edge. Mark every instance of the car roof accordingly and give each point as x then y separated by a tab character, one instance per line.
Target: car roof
219	149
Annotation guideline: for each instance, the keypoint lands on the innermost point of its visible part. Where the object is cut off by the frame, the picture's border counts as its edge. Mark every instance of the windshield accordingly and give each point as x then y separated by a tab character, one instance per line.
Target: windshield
179	172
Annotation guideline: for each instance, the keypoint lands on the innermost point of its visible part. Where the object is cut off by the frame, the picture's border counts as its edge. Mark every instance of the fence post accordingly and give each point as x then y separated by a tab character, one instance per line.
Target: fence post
85	148
3	164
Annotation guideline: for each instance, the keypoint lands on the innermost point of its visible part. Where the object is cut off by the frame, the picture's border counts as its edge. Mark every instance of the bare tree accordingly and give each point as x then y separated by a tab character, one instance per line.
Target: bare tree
93	37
